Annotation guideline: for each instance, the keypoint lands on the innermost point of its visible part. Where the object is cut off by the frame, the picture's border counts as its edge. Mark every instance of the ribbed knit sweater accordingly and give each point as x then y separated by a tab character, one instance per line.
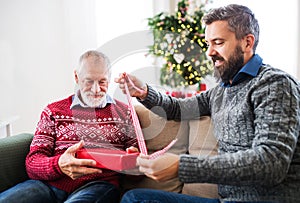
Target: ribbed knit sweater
60	127
256	123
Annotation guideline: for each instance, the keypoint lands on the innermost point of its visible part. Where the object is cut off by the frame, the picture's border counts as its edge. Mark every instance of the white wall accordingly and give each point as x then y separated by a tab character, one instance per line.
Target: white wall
40	42
122	36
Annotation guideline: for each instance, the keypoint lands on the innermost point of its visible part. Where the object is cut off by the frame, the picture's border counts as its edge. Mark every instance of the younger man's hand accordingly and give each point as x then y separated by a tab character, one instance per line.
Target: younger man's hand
136	87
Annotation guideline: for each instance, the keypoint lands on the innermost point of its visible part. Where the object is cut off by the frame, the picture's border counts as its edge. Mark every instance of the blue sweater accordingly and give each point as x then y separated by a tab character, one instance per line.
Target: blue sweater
256	123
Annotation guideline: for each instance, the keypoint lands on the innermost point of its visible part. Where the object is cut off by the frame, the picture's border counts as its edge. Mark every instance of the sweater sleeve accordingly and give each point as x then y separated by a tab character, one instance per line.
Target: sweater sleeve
266	158
41	163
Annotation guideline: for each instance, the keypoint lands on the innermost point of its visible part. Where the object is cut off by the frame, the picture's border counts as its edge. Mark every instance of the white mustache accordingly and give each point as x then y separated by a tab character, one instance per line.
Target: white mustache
98	94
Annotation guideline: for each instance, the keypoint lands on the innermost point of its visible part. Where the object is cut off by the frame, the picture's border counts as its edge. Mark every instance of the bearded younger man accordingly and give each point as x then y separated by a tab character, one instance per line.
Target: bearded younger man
255	111
90	115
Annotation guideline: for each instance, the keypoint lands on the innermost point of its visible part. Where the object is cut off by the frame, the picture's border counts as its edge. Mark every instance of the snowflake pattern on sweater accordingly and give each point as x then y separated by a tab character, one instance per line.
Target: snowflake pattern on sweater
61	127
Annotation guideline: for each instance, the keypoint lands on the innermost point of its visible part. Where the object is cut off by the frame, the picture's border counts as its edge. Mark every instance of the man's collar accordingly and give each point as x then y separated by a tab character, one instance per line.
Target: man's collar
251	69
77	102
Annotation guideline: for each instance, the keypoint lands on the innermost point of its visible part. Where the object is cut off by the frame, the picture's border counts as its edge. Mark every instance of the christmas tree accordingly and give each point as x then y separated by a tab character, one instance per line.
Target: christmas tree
179	40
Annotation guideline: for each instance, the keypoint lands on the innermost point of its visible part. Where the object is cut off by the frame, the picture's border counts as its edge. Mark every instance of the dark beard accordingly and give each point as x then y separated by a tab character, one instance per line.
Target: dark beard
230	68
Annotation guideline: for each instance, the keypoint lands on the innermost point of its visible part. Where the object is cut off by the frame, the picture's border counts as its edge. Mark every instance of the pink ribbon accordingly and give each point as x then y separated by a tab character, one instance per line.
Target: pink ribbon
138	129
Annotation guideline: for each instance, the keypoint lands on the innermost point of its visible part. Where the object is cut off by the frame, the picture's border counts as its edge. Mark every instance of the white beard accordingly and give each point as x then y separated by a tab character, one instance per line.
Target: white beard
87	98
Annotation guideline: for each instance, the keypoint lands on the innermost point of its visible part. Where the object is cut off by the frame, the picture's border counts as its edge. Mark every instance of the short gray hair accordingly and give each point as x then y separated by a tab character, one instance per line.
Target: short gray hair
98	57
241	20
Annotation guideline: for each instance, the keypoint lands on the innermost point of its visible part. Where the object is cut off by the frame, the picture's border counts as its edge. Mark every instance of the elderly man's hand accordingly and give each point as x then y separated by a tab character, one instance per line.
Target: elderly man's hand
73	167
163	168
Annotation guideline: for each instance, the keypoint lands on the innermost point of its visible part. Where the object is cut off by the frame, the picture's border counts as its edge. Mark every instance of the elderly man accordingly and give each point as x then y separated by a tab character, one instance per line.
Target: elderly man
89	118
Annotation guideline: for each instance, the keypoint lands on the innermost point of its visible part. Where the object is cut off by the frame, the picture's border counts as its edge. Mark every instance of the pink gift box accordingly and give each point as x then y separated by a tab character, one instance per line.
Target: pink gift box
112	159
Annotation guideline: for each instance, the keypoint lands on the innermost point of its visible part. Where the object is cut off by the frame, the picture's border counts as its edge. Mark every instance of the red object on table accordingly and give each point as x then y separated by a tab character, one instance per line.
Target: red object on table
202	87
112	159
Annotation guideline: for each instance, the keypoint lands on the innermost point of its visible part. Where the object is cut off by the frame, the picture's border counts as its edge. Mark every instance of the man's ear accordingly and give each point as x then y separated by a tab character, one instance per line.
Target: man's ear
249	42
76	76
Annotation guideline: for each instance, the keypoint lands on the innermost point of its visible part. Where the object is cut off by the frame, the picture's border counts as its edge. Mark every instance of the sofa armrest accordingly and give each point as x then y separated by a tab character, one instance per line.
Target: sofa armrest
13	151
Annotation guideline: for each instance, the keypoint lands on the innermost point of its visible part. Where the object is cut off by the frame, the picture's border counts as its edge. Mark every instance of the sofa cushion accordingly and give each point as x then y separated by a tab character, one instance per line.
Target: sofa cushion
202	143
158	132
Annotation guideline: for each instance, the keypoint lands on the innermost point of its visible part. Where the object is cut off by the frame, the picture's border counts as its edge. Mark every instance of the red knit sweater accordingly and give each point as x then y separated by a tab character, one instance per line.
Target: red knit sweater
60	127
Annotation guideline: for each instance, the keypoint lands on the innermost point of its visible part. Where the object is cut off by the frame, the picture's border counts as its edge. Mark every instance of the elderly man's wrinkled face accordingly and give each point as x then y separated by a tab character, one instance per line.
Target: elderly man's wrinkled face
92	81
224	50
